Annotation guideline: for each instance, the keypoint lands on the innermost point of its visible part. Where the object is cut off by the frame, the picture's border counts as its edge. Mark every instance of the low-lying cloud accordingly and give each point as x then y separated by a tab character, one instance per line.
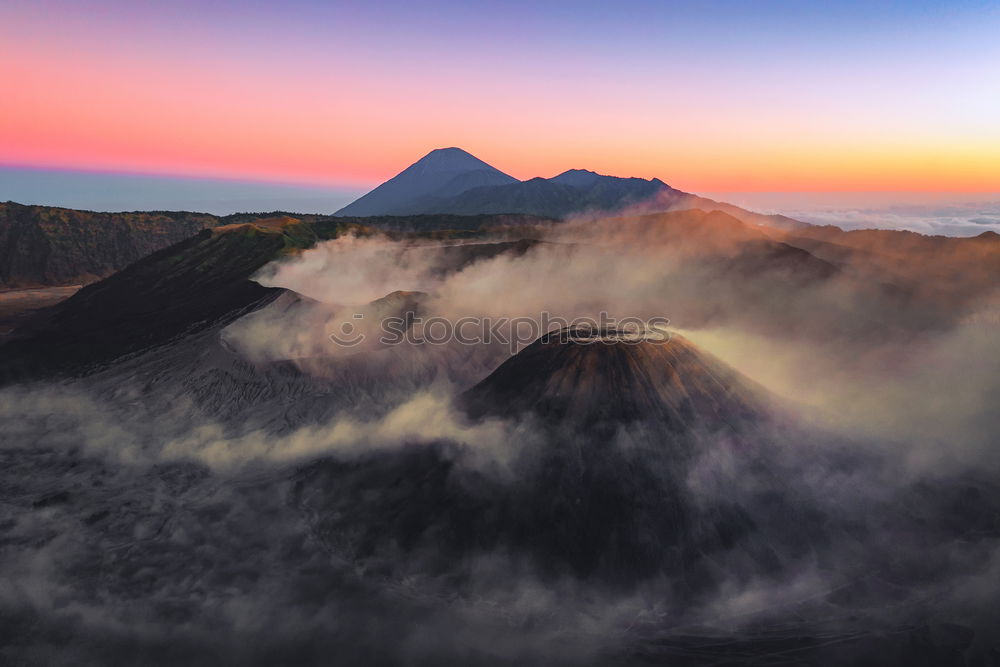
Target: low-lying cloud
187	497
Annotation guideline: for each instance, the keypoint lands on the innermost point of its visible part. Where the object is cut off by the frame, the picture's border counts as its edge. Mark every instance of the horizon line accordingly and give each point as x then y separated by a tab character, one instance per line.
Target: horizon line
348	184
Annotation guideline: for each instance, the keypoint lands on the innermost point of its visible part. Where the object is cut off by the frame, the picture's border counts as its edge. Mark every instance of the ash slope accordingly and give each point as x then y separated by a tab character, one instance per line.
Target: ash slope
600	495
52	246
614	377
176	564
42	245
173	293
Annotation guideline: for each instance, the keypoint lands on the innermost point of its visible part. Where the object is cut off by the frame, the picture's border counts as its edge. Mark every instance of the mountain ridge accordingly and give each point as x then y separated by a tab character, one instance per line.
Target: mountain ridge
45	245
476	188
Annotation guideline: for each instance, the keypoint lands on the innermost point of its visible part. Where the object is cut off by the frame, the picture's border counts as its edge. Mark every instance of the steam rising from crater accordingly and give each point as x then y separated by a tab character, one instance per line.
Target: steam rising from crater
885	414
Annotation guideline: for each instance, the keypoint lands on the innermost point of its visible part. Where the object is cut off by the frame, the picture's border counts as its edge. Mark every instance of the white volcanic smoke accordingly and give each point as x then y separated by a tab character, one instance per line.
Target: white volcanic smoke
354	270
893	443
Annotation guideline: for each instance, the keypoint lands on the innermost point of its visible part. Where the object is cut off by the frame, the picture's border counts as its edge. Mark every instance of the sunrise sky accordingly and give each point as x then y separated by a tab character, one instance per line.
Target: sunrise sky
709	96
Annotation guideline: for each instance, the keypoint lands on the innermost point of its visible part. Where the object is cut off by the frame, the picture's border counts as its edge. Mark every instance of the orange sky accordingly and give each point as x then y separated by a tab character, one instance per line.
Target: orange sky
245	96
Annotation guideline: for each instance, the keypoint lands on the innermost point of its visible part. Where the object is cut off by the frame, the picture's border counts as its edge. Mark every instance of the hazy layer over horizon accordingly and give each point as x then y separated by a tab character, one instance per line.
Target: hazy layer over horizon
945	213
112	192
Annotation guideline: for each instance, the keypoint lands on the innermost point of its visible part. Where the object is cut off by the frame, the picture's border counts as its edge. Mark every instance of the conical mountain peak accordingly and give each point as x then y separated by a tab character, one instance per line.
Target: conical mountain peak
442	173
452	157
590	377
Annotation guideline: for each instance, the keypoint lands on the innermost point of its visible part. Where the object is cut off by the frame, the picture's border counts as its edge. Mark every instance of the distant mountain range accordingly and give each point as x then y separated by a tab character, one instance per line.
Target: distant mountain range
206	280
446	189
452	181
44	246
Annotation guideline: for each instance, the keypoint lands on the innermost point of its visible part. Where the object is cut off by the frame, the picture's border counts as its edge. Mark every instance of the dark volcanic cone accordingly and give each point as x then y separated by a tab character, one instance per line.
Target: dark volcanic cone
603	489
589	378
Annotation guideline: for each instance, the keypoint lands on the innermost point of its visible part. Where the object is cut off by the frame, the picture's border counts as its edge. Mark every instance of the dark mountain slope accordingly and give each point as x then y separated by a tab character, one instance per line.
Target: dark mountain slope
442	222
589	378
176	291
946	276
749	217
581	501
198	285
580	178
552	198
451	181
579	192
973	261
729	244
51	246
442	173
696	230
42	245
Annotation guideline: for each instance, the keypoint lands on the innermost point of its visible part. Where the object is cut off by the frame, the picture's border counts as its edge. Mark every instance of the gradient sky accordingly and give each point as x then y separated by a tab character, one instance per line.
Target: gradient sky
709	96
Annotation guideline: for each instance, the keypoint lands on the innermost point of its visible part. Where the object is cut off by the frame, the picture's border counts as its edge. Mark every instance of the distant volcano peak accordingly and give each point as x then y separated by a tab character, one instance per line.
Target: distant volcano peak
450	150
452	181
441	174
452	158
